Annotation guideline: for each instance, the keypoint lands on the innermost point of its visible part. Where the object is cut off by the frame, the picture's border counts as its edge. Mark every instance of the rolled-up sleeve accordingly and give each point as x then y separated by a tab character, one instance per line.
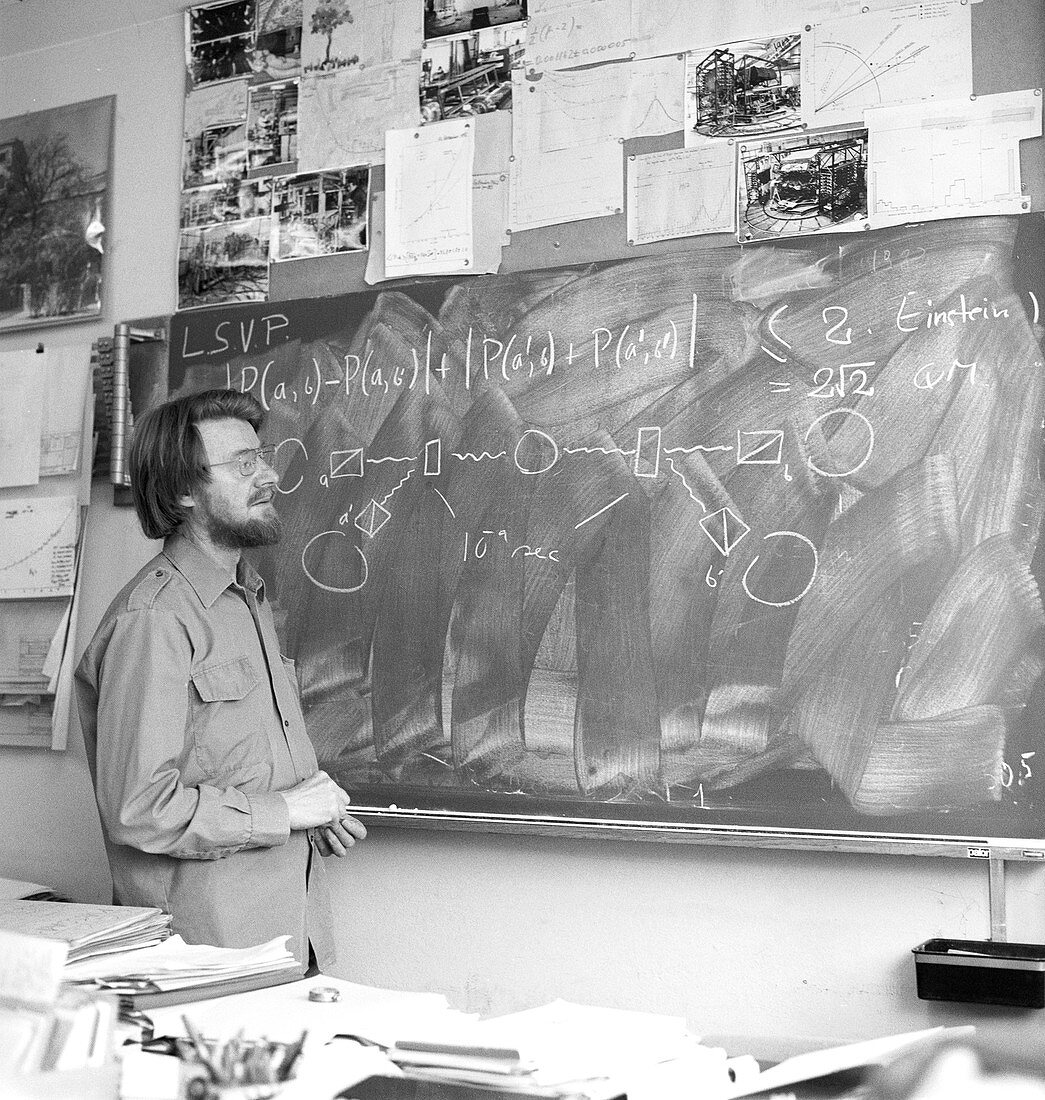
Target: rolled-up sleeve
144	741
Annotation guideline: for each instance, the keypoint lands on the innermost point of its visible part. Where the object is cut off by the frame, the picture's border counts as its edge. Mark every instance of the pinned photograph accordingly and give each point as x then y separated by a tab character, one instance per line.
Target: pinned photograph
471	74
320	213
54	177
276	52
751	87
215	148
272	128
803	185
224	263
342	35
232	201
219	39
446	17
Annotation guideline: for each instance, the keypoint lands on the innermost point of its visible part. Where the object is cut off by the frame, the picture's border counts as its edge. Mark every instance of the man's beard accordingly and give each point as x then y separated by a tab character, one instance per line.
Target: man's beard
247	535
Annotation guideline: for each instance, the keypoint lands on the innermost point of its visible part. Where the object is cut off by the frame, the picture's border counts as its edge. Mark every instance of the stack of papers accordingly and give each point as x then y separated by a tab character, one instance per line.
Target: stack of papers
86	930
175	964
569	1049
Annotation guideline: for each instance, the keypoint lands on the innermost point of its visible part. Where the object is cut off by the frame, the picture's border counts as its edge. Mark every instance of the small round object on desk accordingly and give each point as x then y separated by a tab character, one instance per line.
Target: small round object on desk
324	993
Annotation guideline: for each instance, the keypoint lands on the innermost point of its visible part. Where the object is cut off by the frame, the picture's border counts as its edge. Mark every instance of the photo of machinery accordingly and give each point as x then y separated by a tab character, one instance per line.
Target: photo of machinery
750	87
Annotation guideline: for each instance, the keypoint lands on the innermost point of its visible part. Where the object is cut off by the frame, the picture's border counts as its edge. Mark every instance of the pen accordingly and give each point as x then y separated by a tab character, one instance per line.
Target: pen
290	1058
200	1047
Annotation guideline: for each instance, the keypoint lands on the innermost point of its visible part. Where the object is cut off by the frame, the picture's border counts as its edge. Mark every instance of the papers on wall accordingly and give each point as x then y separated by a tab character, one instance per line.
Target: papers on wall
23	376
565	33
669	26
905	55
68	388
29	631
38	546
344	34
317	214
344	114
565	186
955	159
681	193
565	110
428	199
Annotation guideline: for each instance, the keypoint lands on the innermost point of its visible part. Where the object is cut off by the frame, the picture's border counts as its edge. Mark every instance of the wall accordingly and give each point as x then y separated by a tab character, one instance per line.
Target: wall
742	942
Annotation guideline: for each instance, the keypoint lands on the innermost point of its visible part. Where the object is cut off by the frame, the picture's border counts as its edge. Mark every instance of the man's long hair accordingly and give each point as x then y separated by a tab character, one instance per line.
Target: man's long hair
168	460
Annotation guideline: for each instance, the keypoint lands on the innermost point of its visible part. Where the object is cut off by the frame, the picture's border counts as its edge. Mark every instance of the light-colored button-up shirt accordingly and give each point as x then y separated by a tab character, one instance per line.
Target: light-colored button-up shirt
192	725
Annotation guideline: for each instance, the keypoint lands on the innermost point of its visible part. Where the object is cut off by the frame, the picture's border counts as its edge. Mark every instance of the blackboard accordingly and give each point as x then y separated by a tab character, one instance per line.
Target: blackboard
732	543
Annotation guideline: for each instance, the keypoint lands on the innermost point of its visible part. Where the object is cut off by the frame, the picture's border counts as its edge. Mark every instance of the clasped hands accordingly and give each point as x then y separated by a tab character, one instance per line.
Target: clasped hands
321	806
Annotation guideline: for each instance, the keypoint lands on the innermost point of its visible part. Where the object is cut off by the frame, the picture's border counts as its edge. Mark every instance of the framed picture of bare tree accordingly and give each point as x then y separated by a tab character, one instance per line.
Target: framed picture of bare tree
54	177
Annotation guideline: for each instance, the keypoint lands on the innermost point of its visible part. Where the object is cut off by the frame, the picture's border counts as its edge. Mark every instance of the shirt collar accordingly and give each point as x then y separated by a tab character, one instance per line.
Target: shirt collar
207	578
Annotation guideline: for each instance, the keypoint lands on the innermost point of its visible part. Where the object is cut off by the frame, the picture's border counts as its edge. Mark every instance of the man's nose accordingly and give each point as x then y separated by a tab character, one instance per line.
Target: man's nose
266	473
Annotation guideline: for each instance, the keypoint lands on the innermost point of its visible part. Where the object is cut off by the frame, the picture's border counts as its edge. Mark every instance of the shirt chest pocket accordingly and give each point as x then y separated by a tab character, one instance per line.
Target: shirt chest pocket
225	712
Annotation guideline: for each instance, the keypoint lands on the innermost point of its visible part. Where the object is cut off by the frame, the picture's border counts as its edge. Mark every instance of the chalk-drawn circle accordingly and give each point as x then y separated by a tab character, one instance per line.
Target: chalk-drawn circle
330	587
794	599
524	468
304	451
870	442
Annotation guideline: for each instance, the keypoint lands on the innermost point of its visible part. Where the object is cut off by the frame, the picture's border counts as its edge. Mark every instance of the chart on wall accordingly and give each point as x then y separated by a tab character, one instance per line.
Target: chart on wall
706	539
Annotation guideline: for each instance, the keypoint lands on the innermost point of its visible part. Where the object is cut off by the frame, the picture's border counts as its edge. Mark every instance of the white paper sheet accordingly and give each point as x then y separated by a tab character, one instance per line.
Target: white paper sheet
37	546
211	105
23	375
562	34
905	55
670	26
948	160
27	630
493	150
681	193
343	116
565	186
428	199
68	384
566	110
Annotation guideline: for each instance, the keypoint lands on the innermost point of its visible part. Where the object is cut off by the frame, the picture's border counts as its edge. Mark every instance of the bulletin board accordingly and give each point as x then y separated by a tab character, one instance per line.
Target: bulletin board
726	537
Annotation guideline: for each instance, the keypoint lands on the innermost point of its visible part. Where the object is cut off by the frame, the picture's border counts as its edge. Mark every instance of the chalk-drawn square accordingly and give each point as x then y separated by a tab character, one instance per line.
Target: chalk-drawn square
346	463
759	448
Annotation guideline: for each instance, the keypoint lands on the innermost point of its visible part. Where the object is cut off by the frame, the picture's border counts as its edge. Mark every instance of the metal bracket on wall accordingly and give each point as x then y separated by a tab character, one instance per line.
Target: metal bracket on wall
996	898
123	337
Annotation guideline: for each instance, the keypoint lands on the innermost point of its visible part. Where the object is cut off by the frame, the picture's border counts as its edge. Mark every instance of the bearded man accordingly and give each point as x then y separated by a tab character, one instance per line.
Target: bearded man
211	801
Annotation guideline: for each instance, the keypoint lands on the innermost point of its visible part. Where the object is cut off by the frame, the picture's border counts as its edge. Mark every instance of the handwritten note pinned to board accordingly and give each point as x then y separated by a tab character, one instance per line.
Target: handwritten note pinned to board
428	199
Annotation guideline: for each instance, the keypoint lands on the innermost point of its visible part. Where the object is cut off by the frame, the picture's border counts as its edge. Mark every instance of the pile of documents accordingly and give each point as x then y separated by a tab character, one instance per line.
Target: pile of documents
564	1049
42	1026
175	971
86	931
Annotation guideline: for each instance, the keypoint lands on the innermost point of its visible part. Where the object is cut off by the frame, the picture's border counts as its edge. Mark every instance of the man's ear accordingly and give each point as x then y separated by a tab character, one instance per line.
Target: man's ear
187	500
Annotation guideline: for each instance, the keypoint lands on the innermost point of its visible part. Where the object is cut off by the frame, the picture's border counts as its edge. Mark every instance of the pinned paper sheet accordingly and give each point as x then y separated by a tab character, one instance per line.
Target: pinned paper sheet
948	160
343	114
428	199
68	384
668	26
906	55
562	34
23	375
681	193
38	546
565	186
565	110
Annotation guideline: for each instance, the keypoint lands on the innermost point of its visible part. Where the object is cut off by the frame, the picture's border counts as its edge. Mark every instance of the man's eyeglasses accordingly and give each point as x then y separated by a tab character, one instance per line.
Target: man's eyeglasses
247	461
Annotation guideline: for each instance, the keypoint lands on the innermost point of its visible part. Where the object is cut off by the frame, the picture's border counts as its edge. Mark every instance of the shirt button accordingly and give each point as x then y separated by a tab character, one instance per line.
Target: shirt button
286	723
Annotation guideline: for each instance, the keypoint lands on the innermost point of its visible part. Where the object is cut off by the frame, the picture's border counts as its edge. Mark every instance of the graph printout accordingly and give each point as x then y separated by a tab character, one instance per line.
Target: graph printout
37	546
906	55
428	199
681	193
949	160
